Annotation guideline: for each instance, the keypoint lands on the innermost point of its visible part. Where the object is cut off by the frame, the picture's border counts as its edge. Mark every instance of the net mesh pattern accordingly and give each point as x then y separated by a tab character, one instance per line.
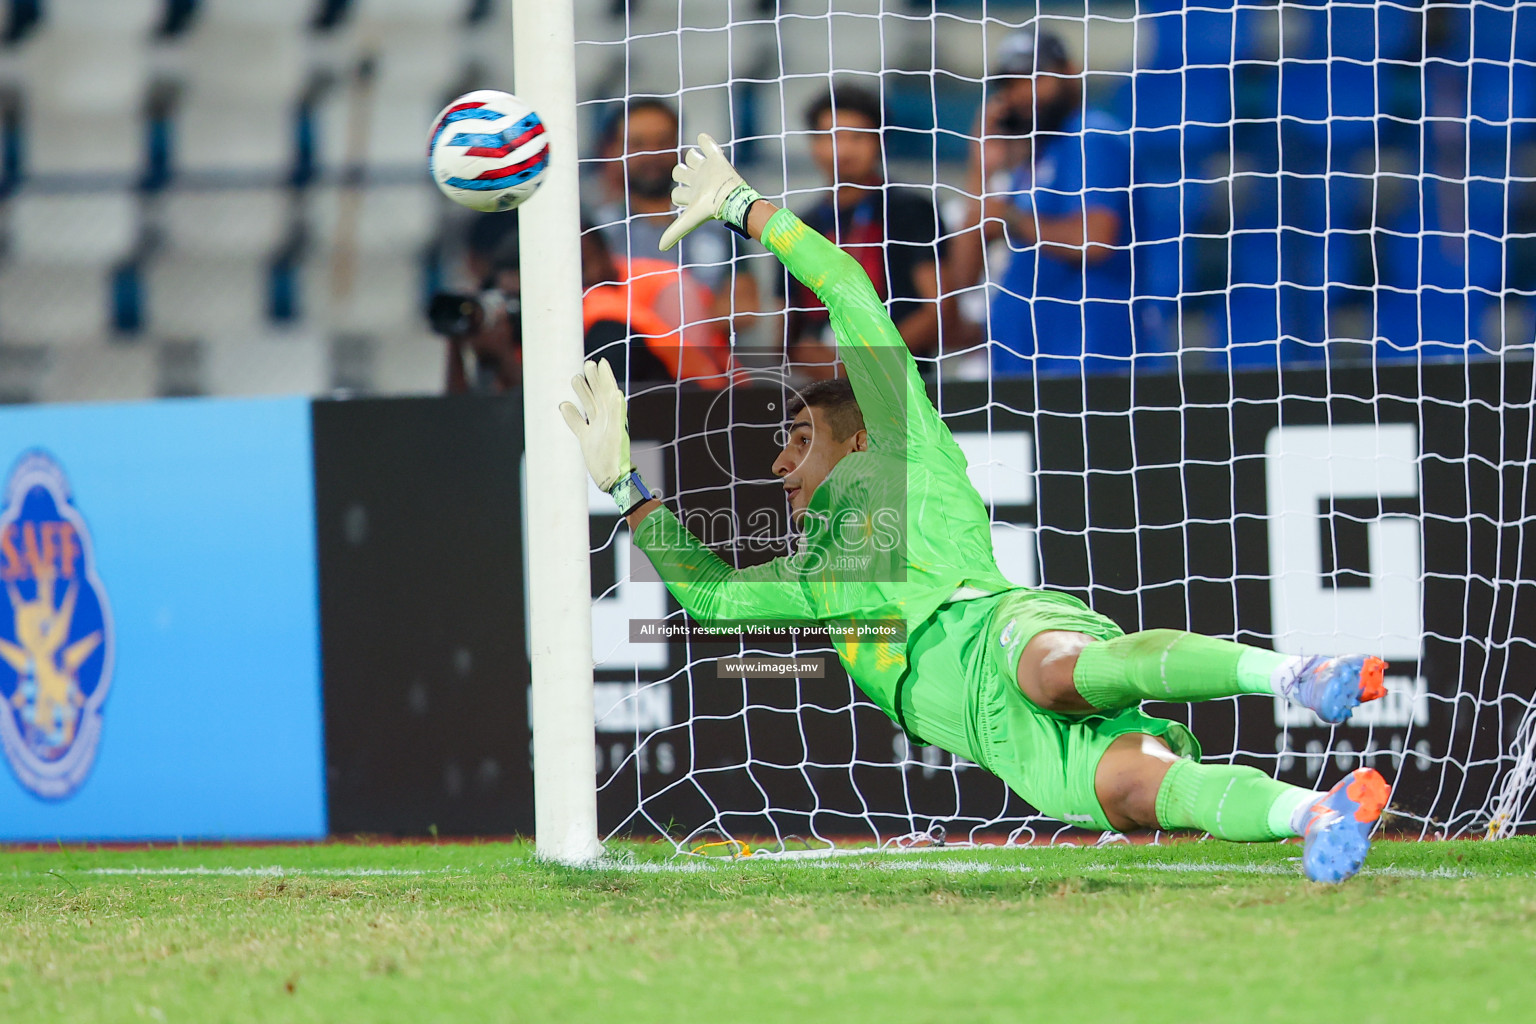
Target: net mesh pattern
1284	398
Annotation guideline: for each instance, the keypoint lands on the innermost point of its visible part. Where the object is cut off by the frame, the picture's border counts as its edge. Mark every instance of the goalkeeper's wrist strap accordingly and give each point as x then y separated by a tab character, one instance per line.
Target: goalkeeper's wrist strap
630	492
736	207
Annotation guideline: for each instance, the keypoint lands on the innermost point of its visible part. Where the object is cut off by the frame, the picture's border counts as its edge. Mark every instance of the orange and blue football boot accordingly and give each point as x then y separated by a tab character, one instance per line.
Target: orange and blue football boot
1334	687
1338	834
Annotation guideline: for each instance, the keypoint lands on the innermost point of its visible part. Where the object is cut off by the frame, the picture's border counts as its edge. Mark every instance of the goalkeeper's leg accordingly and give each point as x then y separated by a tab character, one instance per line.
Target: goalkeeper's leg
1065	671
1140	783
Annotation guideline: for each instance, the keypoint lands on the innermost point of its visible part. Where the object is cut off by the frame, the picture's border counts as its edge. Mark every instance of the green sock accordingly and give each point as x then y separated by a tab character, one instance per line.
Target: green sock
1170	664
1230	802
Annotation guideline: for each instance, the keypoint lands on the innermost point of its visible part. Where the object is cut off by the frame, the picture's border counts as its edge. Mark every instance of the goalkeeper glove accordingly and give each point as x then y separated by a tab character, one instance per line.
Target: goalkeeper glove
708	187
601	430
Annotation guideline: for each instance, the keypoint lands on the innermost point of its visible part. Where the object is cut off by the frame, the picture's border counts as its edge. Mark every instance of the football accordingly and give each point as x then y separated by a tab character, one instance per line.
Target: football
488	150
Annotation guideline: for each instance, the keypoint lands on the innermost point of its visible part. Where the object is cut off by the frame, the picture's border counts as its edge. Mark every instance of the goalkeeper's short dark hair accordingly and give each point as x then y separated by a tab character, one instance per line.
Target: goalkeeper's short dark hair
839	406
847	96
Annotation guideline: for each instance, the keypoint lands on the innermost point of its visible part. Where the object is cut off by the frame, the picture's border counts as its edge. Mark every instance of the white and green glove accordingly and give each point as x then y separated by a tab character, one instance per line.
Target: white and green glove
603	433
708	188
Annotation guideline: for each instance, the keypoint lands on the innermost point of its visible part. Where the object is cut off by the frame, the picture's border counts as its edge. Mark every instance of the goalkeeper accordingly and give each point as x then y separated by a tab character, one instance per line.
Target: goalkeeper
1030	684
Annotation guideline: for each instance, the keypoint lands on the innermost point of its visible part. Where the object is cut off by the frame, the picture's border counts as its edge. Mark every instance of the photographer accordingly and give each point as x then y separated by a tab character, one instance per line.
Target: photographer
485	326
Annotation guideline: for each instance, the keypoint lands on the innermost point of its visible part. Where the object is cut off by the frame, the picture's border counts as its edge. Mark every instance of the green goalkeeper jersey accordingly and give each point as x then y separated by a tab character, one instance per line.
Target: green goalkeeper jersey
891	534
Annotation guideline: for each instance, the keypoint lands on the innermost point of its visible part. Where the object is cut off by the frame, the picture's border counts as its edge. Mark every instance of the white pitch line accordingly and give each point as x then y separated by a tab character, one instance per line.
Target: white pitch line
947	867
961	867
954	867
271	872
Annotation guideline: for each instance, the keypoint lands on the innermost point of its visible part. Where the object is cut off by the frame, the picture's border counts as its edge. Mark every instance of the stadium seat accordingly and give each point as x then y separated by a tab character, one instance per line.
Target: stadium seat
1433	284
1180	102
708	110
270	363
52	151
1275	303
861	41
280	14
235	222
123	18
83	91
84	71
382	126
1323	113
239	92
385	295
425	60
1156	226
60	304
87	229
250	64
1217	32
653	17
959	47
652	68
598	67
408	364
805	47
422	13
597	22
384	219
199	296
1357	32
100	371
715	56
262	150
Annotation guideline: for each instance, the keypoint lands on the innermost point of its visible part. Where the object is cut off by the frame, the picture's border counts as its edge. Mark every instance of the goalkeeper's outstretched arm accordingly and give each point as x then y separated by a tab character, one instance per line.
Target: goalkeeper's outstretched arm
891	396
710	590
895	407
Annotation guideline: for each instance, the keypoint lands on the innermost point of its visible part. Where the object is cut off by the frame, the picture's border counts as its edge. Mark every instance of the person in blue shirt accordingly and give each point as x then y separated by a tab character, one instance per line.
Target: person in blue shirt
1054	181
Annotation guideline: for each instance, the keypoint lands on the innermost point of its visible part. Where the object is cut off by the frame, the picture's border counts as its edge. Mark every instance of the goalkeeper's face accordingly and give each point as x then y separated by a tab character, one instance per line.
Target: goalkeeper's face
811	450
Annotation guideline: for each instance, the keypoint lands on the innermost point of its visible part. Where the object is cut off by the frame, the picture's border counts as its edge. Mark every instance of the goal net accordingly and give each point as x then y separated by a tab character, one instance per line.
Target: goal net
1313	431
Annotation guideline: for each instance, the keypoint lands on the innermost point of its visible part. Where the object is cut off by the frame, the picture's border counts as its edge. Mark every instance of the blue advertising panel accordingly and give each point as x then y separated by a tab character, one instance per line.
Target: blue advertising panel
159	631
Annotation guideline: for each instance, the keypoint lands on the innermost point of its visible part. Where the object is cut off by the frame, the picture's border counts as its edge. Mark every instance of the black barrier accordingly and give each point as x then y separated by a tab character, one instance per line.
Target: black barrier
421	612
1150	499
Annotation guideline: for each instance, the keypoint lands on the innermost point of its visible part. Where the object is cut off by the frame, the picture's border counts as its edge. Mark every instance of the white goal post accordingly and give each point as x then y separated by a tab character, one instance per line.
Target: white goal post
560	624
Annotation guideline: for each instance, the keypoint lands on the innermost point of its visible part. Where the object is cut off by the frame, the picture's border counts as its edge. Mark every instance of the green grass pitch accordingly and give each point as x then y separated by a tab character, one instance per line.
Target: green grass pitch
1204	931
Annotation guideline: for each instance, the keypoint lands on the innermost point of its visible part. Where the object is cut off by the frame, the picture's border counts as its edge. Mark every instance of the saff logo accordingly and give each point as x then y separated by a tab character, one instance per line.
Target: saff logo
55	633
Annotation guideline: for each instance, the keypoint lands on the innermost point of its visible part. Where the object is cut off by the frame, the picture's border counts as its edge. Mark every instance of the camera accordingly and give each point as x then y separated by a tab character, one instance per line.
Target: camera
1016	122
457	316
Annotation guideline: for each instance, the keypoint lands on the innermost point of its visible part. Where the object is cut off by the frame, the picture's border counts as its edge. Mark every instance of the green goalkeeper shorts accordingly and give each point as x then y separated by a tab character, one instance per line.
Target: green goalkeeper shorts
1046	757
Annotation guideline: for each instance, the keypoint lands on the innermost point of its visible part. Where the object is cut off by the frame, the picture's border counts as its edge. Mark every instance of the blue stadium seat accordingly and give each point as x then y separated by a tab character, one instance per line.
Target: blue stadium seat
1179	102
1433	286
1365	32
1156	225
1288	269
1213	32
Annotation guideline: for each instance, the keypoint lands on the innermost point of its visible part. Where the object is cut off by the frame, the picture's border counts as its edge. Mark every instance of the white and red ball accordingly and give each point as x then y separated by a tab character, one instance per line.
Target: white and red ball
488	150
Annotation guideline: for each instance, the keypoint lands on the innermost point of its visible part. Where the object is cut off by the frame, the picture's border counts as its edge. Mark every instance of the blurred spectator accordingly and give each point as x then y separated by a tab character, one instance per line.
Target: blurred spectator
639	150
1054	181
649	318
893	232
